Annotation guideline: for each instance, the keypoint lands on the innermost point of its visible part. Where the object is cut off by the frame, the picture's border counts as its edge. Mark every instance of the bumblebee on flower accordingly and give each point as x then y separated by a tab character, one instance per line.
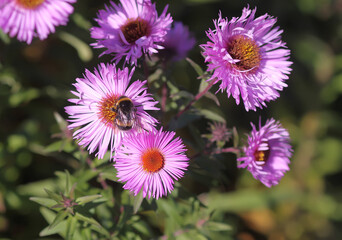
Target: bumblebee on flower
107	108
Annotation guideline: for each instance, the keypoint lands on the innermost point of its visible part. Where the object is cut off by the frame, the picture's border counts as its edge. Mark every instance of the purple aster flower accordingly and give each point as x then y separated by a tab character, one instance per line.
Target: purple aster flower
130	29
107	109
268	152
151	161
33	18
247	55
178	42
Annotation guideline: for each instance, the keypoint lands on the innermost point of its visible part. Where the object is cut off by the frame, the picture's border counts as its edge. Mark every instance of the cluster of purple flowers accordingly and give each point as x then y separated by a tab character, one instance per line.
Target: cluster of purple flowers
246	55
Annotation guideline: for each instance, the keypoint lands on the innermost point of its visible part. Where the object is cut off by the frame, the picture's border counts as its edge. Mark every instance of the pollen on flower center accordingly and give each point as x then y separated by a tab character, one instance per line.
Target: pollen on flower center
261	156
30	3
246	50
135	29
106	113
152	160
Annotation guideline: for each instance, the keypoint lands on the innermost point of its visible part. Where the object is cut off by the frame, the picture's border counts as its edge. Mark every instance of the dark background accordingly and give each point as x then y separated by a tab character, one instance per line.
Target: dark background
35	81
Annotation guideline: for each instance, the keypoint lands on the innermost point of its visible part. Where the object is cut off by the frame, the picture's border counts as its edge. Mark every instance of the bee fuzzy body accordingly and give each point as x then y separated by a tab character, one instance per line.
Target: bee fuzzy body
125	113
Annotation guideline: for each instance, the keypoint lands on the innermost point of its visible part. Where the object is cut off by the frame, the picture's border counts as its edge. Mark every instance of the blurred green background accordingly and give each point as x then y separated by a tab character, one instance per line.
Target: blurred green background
35	83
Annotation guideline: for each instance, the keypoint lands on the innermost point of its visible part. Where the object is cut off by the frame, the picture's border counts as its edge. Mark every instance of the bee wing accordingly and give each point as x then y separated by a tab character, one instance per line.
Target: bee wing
127	118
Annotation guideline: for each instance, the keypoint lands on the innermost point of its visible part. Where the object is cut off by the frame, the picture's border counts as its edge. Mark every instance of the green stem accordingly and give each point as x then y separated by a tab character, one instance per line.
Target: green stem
196	98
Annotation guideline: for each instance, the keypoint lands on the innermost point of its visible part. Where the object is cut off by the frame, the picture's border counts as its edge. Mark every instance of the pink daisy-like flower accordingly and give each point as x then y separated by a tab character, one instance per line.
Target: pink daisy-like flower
247	55
107	109
151	161
130	29
268	153
33	18
178	42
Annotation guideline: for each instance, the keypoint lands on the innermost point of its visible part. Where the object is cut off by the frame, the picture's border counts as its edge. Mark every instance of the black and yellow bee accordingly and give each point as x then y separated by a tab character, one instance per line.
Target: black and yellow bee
125	113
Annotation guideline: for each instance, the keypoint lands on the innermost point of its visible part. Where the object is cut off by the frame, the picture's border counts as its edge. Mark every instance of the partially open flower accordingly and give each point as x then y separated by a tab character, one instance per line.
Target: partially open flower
268	153
178	42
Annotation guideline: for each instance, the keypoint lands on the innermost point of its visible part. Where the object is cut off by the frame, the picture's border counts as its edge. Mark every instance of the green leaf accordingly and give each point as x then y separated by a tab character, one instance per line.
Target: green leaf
182	94
36	188
173	88
23	96
54	147
196	67
59	218
48	214
81	21
142	228
46	202
212	115
220	144
137	201
59	229
83	50
67	183
89	220
170	210
217	226
49	217
212	97
94	224
183	120
108	172
203	85
85	199
60	121
4	37
71	227
155	75
84	175
125	215
110	176
53	195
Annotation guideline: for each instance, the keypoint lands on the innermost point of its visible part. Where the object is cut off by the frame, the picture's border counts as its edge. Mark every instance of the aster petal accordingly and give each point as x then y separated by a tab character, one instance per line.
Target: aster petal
257	85
271	138
154	184
91	92
110	36
28	22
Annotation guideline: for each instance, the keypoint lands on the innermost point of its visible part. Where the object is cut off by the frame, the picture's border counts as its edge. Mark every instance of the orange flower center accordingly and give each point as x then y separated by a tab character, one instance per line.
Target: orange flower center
135	29
152	160
246	50
107	114
261	156
30	3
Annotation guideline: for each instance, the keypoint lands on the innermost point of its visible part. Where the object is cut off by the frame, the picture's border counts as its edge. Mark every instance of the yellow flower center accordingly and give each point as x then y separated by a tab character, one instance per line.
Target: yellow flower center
261	156
246	50
31	4
107	114
135	29
152	160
